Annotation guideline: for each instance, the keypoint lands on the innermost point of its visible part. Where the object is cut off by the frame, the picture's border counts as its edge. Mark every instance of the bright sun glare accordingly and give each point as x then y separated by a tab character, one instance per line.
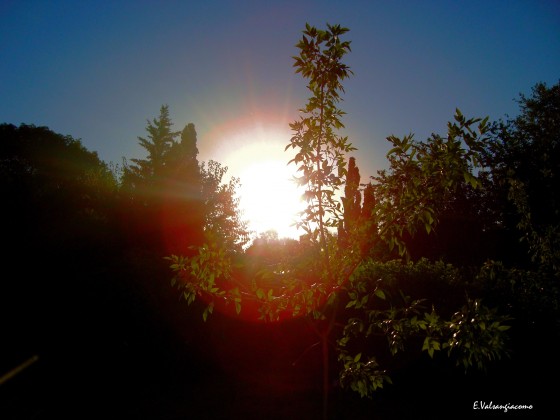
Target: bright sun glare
269	198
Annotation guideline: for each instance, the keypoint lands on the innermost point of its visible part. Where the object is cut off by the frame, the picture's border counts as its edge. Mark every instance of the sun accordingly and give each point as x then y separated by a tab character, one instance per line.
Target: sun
269	198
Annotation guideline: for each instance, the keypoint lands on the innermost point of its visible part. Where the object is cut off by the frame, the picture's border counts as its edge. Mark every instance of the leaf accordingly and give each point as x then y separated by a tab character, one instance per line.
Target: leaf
331	298
470	179
209	309
426	344
394	150
428	228
357	357
428	216
380	294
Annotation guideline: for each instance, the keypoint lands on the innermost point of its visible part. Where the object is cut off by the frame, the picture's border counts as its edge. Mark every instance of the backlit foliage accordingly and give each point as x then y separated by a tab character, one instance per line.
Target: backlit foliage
331	282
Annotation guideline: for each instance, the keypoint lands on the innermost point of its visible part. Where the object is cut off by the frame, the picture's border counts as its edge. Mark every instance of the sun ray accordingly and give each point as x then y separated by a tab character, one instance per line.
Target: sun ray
269	198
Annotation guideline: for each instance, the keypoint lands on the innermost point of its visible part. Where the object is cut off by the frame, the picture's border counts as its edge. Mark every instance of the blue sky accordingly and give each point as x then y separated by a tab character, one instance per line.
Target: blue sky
97	70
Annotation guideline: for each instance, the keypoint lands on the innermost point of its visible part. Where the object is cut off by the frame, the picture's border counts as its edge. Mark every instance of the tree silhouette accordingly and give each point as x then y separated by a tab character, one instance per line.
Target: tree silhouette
145	175
164	190
334	286
351	202
524	165
424	176
223	223
183	213
61	240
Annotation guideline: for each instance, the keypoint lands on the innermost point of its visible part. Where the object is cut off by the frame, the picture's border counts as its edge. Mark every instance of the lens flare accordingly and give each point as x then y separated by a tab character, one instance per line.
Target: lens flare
269	198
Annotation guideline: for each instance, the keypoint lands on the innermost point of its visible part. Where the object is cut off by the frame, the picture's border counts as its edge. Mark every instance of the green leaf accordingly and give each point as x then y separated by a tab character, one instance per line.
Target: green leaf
428	227
428	216
394	150
205	315
470	179
380	293
364	300
208	310
331	298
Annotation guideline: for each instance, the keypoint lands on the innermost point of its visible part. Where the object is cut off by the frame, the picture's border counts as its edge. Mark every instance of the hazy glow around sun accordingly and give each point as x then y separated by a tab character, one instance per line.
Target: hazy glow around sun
269	198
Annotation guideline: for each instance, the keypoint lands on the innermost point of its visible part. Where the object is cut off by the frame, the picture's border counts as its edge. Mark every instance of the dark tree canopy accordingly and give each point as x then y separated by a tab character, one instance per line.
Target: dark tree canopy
164	190
524	168
431	257
52	181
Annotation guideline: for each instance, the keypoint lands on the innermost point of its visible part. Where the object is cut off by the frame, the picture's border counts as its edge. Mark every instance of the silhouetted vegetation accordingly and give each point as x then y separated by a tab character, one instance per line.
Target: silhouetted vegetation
439	255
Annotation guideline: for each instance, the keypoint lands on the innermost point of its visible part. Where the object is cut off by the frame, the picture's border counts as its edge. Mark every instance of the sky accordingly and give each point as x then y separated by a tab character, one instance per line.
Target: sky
97	70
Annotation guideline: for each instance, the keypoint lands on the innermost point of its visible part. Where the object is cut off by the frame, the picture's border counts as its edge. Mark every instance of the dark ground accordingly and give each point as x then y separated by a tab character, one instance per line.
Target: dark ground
108	352
236	370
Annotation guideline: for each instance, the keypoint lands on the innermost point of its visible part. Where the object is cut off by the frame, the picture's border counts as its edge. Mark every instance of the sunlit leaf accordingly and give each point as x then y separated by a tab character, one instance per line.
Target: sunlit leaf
380	293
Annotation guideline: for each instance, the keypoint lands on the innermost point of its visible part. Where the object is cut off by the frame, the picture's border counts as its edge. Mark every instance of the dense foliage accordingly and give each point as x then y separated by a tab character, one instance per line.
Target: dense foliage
423	183
449	257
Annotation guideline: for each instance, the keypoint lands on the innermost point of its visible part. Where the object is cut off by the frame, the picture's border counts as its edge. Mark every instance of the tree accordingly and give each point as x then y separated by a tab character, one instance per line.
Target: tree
223	223
145	175
423	178
164	190
334	273
184	212
320	158
524	164
351	203
520	187
321	152
57	220
53	181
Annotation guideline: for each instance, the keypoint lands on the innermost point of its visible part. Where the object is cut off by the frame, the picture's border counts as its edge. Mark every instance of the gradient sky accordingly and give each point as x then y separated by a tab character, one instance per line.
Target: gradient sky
96	70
